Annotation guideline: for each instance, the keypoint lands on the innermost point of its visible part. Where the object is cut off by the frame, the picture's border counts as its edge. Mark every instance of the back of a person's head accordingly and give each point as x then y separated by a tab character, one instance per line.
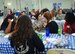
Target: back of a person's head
23	30
33	10
5	7
24	21
70	17
22	13
48	16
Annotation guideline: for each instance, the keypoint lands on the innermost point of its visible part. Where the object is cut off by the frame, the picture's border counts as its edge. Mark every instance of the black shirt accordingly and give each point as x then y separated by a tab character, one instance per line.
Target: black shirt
52	26
5	23
34	42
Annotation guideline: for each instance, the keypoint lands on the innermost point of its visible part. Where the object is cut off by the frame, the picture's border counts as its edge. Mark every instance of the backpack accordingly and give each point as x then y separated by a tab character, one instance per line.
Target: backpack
22	49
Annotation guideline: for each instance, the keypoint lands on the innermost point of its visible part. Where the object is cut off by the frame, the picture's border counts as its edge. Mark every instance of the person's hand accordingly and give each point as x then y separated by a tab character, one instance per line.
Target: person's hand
9	20
66	34
44	24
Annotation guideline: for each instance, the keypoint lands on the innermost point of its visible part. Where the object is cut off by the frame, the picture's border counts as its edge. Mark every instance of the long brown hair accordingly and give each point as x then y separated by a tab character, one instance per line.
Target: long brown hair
24	30
53	13
48	16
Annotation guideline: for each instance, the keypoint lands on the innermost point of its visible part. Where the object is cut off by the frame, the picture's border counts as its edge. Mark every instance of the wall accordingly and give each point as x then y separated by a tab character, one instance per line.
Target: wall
37	4
1	4
49	3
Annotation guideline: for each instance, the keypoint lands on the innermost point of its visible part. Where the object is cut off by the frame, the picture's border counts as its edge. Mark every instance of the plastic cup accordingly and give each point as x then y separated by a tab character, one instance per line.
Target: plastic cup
47	32
2	34
59	32
40	35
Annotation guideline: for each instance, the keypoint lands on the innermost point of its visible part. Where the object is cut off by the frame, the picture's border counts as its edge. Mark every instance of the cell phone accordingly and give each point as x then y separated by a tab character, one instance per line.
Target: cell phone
12	20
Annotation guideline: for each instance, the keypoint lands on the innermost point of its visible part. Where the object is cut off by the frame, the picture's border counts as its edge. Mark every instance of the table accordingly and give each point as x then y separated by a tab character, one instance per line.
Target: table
71	42
5	47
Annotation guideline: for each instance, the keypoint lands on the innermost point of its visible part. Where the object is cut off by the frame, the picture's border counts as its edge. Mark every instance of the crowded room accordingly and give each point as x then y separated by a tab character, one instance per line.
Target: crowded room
37	26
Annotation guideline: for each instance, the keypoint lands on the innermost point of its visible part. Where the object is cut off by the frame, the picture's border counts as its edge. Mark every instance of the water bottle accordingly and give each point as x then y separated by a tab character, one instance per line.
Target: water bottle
59	32
47	32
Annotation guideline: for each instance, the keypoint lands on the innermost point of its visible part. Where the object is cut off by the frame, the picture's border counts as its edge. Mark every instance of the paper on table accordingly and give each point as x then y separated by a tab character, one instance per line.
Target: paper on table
73	34
55	41
51	40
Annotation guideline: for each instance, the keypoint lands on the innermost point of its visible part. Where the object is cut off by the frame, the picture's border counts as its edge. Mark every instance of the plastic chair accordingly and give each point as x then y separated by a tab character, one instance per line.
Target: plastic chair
51	52
60	51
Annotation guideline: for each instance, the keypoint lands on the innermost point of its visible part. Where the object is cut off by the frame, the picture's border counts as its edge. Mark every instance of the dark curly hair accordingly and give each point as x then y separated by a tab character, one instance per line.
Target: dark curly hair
70	18
44	10
24	30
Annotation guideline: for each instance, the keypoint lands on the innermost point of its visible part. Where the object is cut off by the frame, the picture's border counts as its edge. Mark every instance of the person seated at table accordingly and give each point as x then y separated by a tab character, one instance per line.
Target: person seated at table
53	13
40	20
8	25
37	23
24	39
33	12
22	13
60	16
69	26
50	24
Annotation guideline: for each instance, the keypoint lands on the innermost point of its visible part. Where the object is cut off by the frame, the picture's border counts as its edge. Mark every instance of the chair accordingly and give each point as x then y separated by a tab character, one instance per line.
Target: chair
51	52
60	51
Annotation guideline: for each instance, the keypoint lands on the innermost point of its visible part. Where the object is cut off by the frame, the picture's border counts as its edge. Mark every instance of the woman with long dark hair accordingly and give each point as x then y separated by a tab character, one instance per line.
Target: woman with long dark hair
69	26
24	39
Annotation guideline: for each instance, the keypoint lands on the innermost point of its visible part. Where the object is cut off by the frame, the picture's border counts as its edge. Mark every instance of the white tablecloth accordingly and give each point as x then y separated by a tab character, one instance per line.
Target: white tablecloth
60	23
